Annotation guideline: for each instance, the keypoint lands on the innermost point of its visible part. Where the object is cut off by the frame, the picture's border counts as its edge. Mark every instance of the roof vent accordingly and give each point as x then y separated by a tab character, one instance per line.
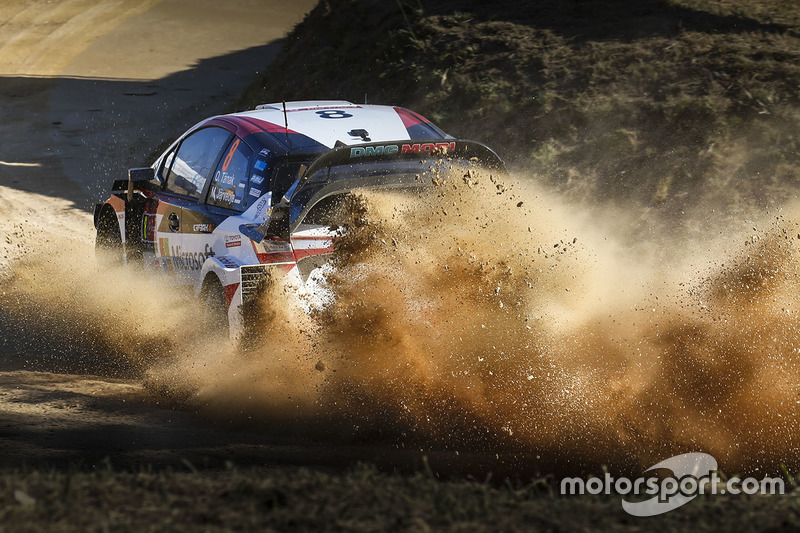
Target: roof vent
364	134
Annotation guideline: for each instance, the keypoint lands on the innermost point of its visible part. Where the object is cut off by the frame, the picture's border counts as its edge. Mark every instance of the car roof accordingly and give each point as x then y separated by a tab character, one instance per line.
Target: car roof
328	123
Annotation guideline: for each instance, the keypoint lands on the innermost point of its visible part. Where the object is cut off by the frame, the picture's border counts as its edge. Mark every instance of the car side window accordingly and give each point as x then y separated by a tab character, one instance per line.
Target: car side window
230	178
194	161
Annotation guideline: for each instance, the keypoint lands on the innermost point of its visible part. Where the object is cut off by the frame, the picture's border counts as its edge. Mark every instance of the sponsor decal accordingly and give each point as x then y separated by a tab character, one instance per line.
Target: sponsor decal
262	204
227	262
232	241
255	179
260	165
185	260
428	147
202	228
338	108
264	152
255	192
275	246
392	149
366	151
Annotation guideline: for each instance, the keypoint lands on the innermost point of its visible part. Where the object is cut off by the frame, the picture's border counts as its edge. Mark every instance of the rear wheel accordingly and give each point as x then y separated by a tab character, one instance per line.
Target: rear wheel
108	244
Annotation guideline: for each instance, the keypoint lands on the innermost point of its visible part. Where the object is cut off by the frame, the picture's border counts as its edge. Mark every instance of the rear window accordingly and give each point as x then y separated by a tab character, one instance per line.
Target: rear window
418	127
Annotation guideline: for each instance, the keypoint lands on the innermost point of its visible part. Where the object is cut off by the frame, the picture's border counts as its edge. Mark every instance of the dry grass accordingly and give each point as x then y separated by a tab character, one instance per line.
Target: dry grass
662	103
362	499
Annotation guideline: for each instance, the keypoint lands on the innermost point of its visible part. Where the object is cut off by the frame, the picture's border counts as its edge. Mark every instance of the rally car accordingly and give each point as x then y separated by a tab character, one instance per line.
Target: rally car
243	195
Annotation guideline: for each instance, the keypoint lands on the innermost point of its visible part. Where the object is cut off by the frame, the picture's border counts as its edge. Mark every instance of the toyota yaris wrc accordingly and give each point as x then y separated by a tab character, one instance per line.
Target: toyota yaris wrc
239	197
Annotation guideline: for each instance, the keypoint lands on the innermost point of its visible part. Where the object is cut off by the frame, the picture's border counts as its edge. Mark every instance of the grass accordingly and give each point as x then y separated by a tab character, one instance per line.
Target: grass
661	104
361	499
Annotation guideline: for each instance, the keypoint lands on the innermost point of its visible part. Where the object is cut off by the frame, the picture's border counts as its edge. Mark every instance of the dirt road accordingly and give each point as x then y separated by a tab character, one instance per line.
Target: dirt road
87	89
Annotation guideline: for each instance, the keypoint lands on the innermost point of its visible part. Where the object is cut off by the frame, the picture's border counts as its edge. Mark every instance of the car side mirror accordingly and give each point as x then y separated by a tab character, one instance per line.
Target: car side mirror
251	232
139	175
276	225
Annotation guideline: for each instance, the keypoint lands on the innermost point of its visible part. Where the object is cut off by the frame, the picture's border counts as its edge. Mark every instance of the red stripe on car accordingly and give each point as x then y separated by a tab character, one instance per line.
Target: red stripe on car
229	291
303	253
275	257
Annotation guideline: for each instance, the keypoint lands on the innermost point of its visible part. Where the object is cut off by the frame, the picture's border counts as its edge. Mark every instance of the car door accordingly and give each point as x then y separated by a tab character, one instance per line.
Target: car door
187	175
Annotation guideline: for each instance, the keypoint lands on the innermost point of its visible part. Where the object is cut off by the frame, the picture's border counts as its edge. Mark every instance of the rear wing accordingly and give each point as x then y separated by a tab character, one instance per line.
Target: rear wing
371	165
393	151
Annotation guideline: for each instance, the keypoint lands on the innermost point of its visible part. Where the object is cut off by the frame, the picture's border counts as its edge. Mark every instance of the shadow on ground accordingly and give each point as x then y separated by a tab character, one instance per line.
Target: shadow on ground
81	422
69	137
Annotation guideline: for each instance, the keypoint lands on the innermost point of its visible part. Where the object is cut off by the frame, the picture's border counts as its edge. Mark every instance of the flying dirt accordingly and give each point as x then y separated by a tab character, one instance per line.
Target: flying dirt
483	314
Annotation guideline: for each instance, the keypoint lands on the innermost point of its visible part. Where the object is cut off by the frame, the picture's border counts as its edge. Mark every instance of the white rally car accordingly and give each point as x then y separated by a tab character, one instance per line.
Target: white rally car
239	196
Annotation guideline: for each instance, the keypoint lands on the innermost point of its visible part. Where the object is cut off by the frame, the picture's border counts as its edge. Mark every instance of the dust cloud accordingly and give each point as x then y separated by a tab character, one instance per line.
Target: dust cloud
487	313
482	313
60	302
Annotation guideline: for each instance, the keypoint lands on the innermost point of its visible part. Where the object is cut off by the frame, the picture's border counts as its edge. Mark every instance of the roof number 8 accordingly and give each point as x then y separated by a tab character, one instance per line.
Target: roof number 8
333	113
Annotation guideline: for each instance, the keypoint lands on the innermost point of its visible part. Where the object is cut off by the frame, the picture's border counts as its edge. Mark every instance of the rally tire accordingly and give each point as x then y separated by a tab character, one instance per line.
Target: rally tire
108	243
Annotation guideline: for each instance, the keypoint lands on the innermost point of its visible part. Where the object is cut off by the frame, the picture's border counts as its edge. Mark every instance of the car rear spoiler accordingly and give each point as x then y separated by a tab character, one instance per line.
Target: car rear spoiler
371	165
389	151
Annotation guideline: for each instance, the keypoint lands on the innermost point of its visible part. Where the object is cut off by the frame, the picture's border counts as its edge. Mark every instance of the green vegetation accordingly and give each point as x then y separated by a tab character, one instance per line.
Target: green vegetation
661	102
